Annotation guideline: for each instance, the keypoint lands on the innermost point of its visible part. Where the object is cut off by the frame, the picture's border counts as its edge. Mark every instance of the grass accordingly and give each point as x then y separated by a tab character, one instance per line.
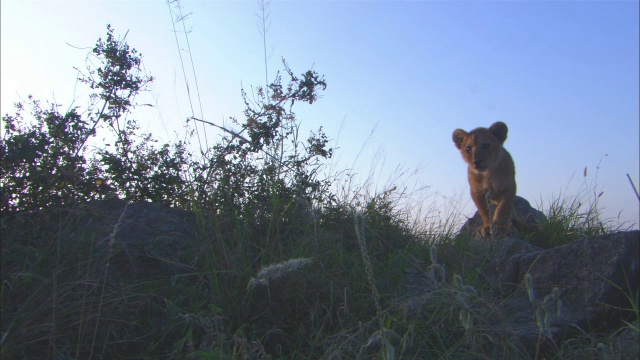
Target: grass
575	216
319	285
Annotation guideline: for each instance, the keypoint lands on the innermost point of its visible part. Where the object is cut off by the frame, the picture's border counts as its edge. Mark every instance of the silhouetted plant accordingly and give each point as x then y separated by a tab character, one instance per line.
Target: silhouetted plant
41	165
45	162
263	174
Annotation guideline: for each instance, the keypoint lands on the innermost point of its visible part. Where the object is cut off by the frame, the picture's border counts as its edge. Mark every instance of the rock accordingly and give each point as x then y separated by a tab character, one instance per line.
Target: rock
527	218
141	240
579	288
124	271
493	255
593	276
146	239
626	342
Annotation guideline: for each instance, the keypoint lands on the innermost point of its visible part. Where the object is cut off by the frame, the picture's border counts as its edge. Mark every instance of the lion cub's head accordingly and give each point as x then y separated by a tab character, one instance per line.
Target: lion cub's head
481	148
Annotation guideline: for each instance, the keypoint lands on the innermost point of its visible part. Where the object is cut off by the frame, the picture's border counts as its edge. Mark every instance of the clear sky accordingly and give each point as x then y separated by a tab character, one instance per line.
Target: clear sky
563	75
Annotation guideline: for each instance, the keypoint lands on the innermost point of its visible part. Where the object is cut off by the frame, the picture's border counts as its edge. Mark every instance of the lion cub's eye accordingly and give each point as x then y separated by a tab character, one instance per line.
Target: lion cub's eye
468	149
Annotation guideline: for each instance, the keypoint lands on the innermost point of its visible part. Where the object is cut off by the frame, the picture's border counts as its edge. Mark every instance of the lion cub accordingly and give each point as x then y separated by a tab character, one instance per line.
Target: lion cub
492	175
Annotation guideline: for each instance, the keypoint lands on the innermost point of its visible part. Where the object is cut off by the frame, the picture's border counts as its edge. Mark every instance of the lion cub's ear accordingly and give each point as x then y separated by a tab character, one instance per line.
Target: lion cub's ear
499	130
459	136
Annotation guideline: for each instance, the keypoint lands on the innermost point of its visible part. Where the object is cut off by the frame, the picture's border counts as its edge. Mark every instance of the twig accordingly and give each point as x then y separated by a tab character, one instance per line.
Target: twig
633	186
233	133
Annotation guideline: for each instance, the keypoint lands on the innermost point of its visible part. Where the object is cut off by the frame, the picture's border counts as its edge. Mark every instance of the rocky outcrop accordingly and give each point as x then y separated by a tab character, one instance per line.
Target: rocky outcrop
542	296
150	238
547	296
121	269
539	298
526	217
144	240
584	285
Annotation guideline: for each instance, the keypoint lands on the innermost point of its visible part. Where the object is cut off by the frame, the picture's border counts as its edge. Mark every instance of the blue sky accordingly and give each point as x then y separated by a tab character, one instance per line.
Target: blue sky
563	75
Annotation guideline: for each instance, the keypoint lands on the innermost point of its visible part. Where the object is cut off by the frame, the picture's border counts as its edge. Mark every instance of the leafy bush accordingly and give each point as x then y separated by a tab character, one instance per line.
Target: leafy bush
45	162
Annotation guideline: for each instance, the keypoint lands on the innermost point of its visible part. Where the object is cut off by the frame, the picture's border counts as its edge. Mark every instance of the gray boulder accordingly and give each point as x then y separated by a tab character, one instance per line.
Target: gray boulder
593	278
145	240
528	218
547	298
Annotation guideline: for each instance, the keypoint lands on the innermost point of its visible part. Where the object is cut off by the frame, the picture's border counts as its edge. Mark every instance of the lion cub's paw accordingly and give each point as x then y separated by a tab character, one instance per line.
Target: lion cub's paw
498	231
483	231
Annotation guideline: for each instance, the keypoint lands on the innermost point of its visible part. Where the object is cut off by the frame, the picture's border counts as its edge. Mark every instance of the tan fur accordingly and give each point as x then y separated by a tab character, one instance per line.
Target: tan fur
491	173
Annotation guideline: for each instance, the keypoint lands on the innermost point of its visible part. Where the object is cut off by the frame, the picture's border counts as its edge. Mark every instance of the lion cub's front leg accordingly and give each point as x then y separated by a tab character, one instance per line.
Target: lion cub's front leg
480	199
502	223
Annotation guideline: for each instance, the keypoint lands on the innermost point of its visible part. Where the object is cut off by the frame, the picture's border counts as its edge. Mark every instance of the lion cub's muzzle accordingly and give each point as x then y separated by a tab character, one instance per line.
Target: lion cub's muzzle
479	165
